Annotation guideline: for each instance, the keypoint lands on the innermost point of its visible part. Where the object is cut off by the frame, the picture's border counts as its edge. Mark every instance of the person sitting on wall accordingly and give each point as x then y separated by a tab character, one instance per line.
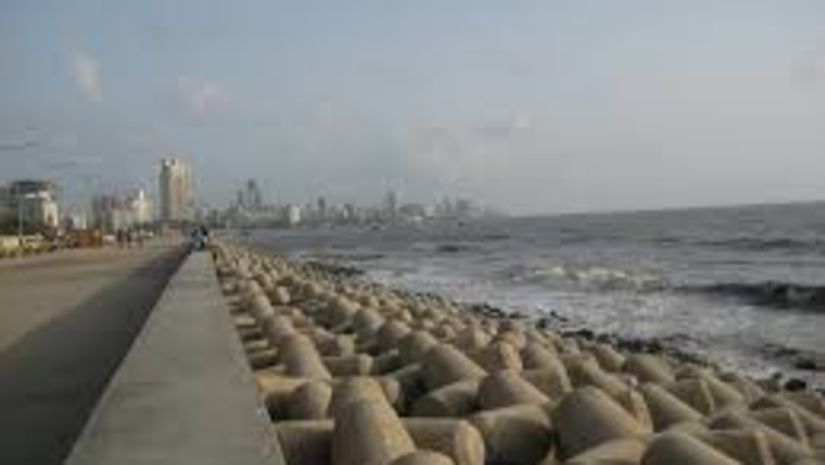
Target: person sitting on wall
199	237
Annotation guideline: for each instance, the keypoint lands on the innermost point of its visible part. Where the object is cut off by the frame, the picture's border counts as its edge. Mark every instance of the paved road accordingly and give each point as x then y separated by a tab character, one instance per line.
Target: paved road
66	321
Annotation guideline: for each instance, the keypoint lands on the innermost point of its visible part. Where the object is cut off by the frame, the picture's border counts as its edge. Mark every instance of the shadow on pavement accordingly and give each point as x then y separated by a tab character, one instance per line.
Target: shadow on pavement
51	379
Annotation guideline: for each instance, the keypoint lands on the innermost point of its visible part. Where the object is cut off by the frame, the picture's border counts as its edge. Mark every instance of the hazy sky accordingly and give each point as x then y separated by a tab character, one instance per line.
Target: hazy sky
534	106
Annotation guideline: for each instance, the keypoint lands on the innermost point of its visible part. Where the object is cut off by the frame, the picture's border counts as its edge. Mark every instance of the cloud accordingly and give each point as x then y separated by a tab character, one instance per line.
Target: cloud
818	66
504	129
475	154
200	97
86	74
810	70
17	146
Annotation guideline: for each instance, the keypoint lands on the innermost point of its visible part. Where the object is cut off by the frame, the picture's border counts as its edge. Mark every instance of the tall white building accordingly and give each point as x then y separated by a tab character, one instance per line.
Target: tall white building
176	201
293	215
140	208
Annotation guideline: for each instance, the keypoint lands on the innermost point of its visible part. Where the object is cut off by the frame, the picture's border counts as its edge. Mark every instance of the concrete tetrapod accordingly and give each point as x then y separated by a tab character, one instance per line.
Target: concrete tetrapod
444	364
305	442
263	358
809	401
349	365
749	390
453	400
423	457
387	362
280	296
402	329
276	328
335	345
724	395
471	339
783	420
368	432
552	381
366	323
457	439
586	372
634	404
587	417
513	336
260	307
538	356
411	380
389	334
814	422
301	358
310	401
414	345
625	451
648	368
694	392
785	449
505	388
609	359
682	449
499	356
349	390
516	435
276	389
665	408
748	446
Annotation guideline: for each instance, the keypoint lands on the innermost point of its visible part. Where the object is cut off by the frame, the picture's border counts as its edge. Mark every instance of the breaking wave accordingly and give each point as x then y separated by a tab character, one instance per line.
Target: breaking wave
589	277
769	294
753	244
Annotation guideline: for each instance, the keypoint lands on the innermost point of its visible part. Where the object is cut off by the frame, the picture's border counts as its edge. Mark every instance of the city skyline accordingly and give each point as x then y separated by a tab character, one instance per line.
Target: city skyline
542	107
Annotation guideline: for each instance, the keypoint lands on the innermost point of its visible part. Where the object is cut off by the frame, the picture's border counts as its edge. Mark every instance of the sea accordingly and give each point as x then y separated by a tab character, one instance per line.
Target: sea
741	286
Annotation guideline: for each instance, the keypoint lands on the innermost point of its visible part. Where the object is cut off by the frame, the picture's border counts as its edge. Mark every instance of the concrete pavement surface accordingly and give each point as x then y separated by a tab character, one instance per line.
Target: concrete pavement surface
185	393
66	321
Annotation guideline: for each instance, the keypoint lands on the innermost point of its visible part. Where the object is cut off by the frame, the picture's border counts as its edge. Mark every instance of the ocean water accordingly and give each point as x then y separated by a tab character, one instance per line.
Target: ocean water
744	286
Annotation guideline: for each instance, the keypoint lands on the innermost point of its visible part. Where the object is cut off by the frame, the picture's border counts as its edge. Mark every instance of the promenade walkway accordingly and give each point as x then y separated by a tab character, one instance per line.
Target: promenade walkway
66	321
185	393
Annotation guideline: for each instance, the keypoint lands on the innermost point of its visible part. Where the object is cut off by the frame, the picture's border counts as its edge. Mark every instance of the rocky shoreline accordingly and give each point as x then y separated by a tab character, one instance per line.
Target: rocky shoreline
673	346
355	373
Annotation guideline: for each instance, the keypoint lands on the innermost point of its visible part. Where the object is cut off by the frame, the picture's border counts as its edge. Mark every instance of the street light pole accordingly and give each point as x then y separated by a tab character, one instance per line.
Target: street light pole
19	199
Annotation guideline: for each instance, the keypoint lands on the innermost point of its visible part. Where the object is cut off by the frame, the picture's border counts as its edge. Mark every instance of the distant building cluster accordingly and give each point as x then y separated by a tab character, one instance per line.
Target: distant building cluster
29	206
112	213
32	207
250	209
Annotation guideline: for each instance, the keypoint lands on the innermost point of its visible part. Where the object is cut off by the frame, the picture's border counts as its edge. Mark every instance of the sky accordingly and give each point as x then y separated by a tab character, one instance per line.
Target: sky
528	106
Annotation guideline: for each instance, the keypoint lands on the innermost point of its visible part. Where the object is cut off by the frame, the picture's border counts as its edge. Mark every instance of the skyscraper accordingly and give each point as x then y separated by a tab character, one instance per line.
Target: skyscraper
175	191
250	198
391	205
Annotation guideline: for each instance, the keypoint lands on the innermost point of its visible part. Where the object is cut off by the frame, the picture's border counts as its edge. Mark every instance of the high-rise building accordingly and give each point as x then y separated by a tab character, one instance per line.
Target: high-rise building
391	205
107	212
34	202
254	198
175	191
5	205
322	208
